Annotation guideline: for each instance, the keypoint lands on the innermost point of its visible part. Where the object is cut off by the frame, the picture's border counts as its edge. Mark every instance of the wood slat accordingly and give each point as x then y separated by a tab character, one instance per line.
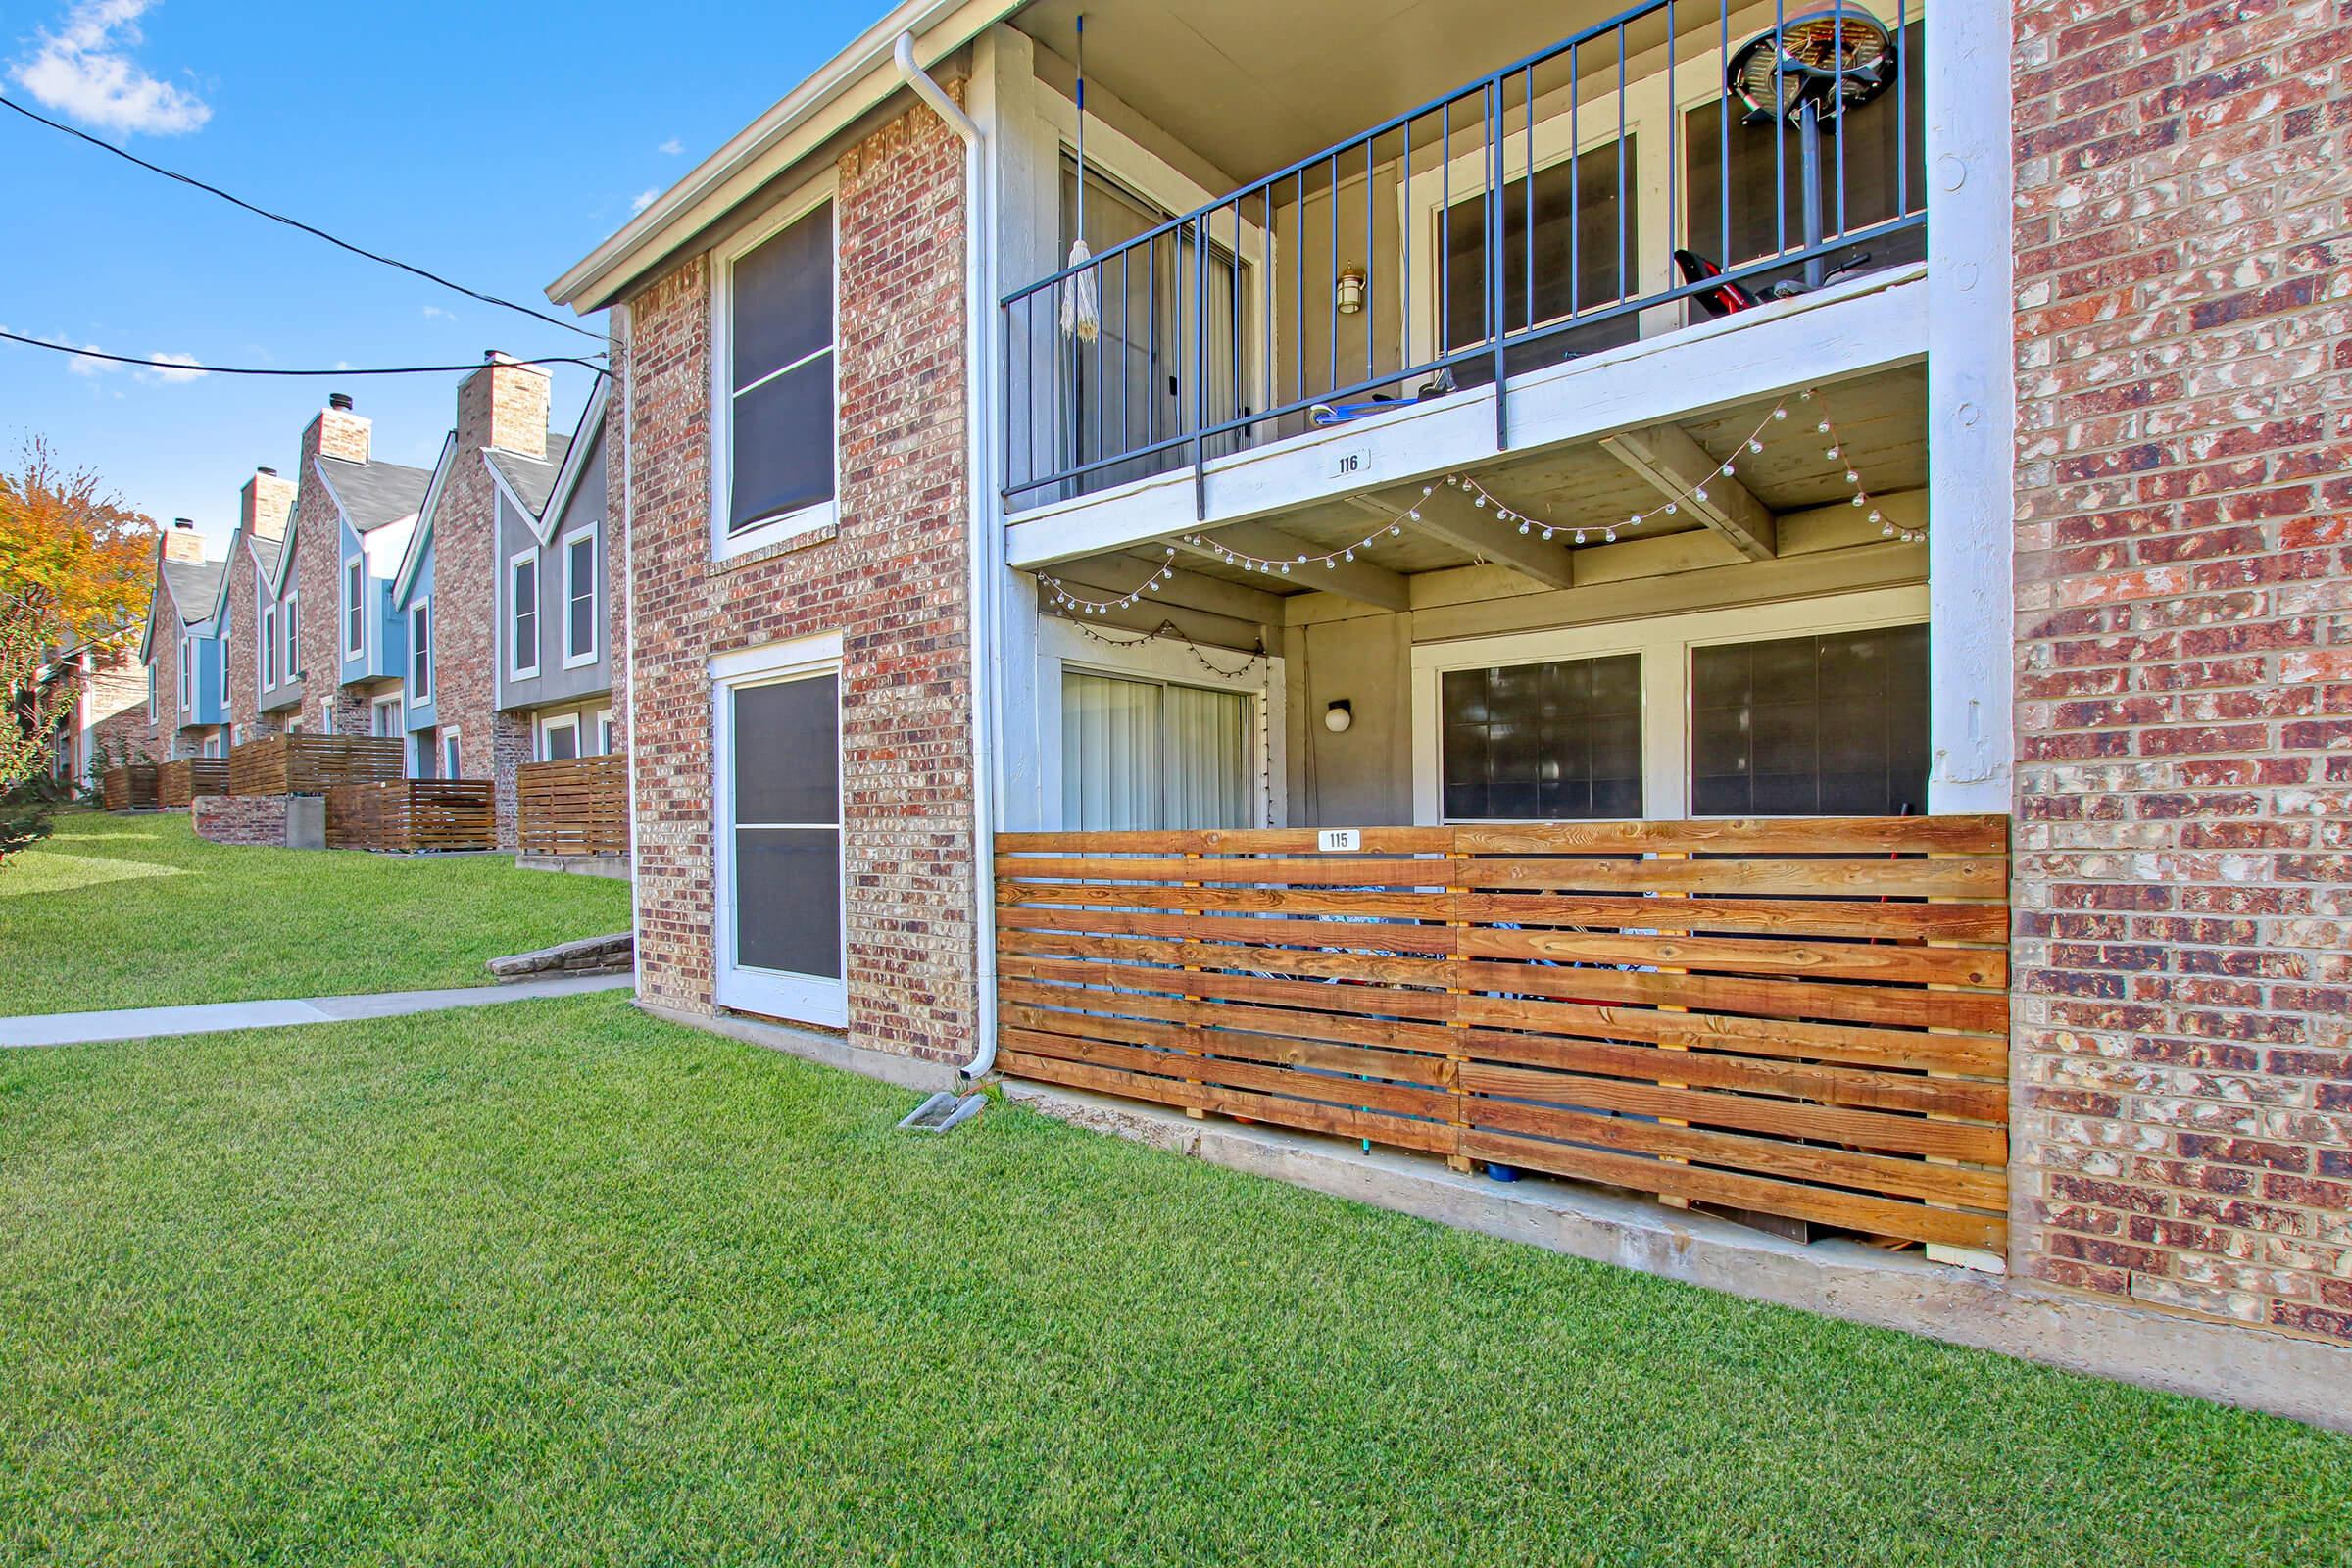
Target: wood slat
1764	1015
1977	877
406	815
307	763
574	806
1872	919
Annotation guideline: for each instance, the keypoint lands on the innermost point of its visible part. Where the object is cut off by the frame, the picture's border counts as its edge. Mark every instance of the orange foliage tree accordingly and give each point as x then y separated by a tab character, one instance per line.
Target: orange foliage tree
74	573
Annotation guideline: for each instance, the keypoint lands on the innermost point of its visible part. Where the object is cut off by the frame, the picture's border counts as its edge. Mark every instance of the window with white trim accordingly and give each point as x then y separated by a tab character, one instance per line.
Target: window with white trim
1830	725
291	625
268	648
779	846
152	708
186	684
355	608
1559	740
449	754
560	739
1138	754
385	715
776	377
224	643
522	614
604	732
579	598
420	653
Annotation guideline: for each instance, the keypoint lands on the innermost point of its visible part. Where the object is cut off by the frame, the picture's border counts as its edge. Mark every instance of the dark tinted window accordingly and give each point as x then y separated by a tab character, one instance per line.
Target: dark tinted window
786	753
1811	726
788	899
781	372
1577	265
1560	739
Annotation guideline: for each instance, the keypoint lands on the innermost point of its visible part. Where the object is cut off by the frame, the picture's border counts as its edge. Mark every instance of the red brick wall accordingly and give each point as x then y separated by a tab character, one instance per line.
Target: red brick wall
254	820
261	507
164	653
892	583
2184	657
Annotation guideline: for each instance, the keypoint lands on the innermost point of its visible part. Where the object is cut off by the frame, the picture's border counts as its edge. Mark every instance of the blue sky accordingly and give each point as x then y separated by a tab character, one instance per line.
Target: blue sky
493	145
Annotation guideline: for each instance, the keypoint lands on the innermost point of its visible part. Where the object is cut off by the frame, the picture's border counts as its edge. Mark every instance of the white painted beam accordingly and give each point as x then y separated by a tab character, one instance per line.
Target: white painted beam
1359	581
1115	576
1451	516
1678	468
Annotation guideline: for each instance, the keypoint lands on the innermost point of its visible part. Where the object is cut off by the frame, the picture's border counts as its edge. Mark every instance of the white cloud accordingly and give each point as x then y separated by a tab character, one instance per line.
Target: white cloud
672	148
83	69
434	312
87	367
642	200
174	370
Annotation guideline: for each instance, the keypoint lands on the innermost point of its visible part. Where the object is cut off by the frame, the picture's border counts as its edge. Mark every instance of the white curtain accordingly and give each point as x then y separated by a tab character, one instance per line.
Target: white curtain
1137	755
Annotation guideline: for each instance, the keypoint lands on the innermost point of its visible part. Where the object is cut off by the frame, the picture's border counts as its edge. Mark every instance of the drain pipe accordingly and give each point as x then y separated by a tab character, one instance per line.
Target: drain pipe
981	533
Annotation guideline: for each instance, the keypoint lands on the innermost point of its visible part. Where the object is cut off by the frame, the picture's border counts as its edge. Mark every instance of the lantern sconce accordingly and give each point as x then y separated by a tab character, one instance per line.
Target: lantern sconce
1349	293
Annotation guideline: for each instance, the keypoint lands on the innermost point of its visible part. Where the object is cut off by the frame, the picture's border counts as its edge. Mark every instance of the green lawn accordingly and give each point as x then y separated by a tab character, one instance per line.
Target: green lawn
558	1284
130	912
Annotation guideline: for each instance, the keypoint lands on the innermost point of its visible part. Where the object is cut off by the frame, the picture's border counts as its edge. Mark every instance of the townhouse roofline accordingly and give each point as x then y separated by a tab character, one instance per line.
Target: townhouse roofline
846	88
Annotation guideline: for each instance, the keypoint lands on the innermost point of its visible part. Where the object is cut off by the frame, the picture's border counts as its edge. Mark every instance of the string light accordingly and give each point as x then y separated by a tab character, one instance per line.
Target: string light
1695	492
1169	630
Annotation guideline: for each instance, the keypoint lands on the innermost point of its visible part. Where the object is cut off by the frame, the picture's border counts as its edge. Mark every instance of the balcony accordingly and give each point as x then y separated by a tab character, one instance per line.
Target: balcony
1464	255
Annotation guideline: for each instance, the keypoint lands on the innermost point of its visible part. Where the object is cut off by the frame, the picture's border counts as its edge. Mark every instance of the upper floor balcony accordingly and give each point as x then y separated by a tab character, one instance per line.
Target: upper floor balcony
1405	223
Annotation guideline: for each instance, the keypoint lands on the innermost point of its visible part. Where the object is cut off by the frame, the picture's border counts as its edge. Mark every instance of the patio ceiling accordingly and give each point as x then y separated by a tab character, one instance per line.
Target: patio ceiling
1801	506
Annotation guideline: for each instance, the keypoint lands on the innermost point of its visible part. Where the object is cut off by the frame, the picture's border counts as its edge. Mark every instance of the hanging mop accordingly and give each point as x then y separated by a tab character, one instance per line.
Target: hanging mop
1081	316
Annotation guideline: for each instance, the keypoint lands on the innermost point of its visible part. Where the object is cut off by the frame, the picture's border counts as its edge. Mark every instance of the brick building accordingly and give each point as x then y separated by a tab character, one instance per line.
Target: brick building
183	648
265	505
106	717
1323	497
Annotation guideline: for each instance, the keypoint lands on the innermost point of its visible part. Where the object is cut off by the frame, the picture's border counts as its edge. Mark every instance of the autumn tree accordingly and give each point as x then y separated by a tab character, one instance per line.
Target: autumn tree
74	574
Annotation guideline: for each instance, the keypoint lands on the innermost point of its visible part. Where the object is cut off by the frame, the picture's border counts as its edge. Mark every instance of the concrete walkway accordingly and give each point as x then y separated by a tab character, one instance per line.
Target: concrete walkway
214	1017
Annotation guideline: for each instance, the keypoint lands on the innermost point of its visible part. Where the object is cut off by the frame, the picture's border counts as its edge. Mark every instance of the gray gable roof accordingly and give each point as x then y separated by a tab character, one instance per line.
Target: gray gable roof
266	551
532	480
195	586
375	494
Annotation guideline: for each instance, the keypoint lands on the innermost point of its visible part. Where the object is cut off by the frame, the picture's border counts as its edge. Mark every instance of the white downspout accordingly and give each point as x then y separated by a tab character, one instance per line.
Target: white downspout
981	532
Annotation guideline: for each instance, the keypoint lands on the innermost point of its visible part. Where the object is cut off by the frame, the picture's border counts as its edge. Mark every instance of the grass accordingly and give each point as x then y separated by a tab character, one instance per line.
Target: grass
134	912
560	1284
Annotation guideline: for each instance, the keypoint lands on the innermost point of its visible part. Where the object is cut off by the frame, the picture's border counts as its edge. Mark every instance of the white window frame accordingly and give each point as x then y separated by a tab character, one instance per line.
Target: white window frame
420	645
548	727
223	642
802	999
267	665
1061	646
516	669
452	754
289	626
817	515
377	709
604	732
154	708
356	609
1665	644
186	675
572	659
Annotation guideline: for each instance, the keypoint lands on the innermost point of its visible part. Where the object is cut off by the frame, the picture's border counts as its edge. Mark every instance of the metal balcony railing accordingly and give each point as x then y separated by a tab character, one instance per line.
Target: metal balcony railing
1648	170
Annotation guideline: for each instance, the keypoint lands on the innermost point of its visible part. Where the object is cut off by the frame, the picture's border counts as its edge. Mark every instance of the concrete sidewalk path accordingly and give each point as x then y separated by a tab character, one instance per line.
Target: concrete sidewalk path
216	1017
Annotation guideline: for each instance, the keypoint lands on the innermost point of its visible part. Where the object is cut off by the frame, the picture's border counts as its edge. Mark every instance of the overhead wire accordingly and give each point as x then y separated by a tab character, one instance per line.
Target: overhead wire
183	367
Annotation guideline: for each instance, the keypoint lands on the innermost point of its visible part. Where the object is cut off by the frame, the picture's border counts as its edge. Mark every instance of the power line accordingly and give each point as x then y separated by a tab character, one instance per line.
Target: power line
294	222
253	370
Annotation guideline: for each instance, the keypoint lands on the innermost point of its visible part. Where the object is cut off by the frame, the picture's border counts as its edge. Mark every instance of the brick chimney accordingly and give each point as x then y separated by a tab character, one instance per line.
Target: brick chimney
263	503
503	405
181	542
337	433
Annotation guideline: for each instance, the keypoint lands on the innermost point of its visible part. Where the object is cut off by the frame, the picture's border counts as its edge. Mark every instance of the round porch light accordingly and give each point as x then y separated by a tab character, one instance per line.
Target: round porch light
1834	58
1339	717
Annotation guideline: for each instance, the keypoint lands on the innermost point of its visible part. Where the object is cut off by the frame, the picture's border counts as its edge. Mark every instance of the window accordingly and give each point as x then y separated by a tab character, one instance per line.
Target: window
604	732
292	663
1143	754
188	656
355	608
579	598
523	619
385	716
268	648
151	703
223	645
420	653
1556	741
776	388
1576	214
326	720
1811	726
423	761
560	739
448	755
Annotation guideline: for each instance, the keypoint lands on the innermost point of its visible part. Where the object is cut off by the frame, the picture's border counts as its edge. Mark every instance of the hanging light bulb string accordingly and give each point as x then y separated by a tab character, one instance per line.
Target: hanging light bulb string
1480	496
1169	630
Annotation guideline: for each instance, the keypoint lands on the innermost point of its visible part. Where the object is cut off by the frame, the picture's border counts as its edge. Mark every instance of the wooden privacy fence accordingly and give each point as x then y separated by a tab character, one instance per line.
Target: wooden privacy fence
128	787
578	805
181	780
408	814
1805	1018
312	765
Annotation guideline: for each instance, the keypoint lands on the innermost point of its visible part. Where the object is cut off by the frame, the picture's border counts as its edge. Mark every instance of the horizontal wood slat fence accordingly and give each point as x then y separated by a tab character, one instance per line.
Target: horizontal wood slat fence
408	814
578	805
312	765
1805	1018
179	781
128	787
